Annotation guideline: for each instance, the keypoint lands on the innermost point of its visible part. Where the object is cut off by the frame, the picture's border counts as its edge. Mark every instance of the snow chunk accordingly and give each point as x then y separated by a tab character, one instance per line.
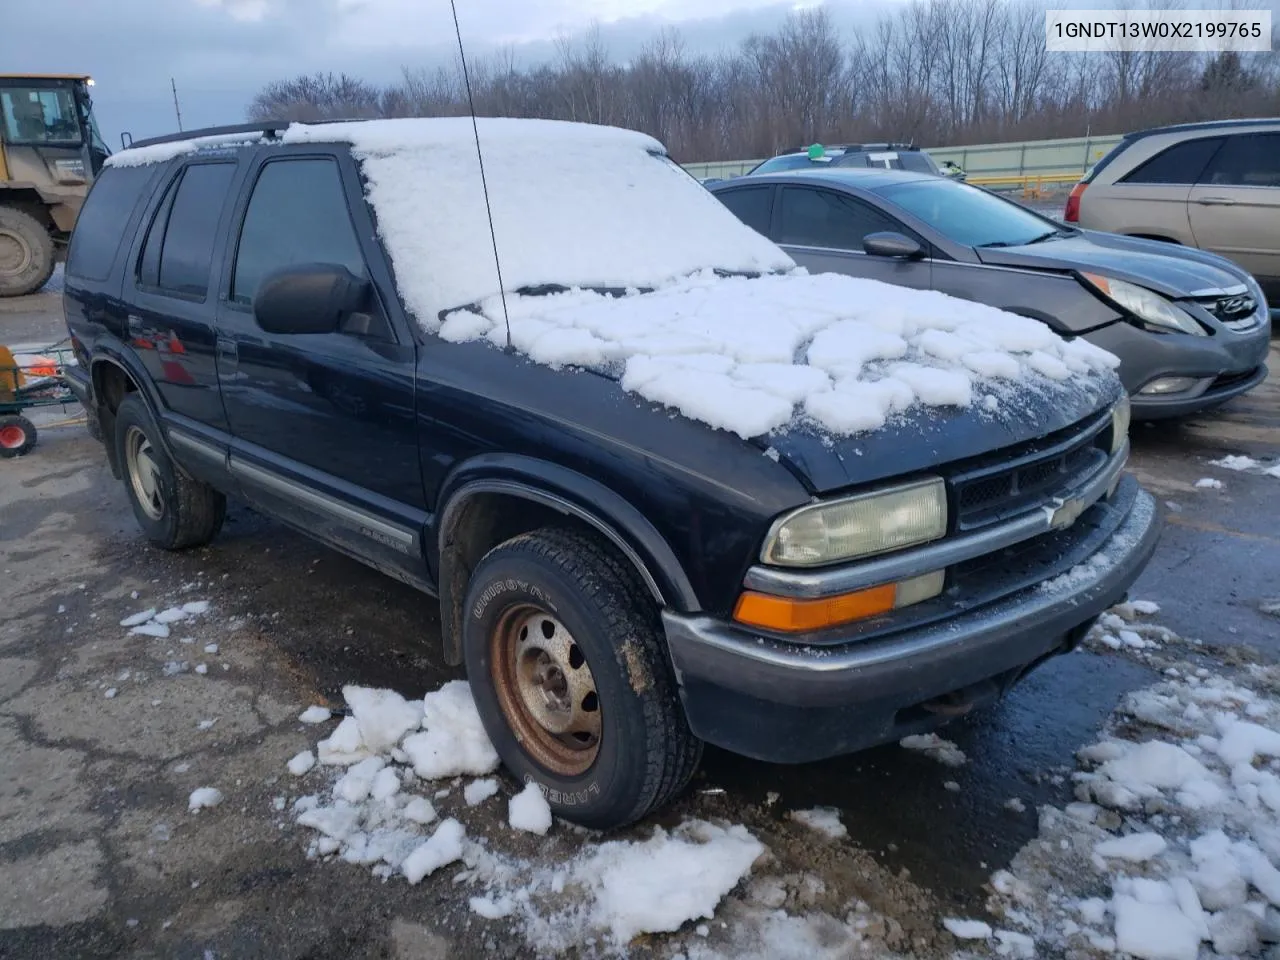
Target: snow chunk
1154	764
300	763
478	791
657	885
934	387
1244	741
1235	462
204	797
1016	945
172	615
823	819
1154	931
196	608
529	811
444	847
454	741
383	715
159	630
419	810
1136	847
492	909
142	616
1208	483
385	785
344	746
111	693
339	821
355	785
932	745
315	714
967	929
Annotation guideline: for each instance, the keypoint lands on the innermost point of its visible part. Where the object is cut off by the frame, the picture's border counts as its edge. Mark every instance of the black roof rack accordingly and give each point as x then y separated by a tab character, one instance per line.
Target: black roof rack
1201	125
268	128
848	147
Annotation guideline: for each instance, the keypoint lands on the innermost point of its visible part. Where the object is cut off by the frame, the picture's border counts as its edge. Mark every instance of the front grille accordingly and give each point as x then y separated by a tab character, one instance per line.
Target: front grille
1023	478
1236	313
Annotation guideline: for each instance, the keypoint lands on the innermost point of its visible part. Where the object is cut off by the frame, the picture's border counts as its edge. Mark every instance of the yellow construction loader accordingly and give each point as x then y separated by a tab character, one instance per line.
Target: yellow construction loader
50	151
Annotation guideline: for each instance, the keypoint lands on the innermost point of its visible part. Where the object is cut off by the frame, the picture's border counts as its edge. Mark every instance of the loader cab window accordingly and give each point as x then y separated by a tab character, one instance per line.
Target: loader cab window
34	115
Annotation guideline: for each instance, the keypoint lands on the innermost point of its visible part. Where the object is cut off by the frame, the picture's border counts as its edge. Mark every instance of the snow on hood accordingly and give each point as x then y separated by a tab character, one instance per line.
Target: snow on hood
573	204
751	355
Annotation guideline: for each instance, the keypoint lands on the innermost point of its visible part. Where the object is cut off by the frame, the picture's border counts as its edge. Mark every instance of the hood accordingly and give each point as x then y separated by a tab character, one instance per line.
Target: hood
846	378
915	443
1169	269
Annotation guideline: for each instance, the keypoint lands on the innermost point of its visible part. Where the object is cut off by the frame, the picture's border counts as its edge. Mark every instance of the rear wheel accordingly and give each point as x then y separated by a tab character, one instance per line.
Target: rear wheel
17	436
26	253
569	669
174	510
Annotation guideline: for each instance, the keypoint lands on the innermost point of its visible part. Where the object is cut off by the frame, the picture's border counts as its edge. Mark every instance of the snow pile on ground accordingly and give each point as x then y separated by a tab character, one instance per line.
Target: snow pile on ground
1122	629
1171	850
1208	483
379	766
204	797
1242	463
932	745
750	355
153	623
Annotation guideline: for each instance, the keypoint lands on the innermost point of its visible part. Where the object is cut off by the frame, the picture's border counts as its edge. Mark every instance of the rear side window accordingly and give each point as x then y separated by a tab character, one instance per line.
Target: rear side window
103	219
752	205
1181	163
178	254
818	218
297	214
917	162
1247	160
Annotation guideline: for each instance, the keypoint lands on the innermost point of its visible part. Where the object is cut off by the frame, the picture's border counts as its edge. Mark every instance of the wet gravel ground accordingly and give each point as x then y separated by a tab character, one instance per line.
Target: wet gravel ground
99	856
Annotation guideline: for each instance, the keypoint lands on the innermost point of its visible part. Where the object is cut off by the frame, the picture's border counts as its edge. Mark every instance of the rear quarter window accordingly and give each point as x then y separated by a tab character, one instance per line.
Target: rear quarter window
103	220
1181	163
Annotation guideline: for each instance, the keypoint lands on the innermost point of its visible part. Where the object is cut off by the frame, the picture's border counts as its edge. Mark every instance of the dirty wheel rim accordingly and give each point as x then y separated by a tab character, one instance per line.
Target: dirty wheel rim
546	690
144	473
12	437
15	257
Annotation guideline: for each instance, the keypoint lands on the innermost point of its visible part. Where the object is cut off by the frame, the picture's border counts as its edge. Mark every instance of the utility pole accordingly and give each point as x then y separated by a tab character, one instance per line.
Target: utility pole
176	108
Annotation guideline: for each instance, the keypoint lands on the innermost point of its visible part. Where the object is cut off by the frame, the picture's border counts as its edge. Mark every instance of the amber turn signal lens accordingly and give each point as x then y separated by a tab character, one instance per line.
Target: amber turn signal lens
791	615
798	616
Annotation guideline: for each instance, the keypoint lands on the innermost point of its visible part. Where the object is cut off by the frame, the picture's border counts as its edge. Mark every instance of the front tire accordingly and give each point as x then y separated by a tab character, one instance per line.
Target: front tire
17	436
174	510
568	666
26	253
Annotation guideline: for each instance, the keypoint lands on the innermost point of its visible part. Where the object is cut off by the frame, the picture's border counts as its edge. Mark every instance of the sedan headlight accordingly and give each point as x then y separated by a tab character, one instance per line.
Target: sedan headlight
1147	305
860	526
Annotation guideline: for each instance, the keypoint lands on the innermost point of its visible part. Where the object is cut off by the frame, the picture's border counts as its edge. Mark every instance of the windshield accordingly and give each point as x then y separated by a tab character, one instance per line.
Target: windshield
39	115
968	215
794	161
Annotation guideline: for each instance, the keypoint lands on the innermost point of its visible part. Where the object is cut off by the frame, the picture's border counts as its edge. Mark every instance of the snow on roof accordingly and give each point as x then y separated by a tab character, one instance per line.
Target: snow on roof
573	204
751	355
164	152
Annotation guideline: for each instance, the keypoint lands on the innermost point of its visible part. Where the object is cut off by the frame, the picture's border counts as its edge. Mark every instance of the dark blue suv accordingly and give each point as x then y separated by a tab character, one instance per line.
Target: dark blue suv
668	488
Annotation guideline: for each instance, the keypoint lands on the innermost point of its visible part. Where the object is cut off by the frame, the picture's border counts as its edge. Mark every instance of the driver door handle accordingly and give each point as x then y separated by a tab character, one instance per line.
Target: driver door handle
1216	202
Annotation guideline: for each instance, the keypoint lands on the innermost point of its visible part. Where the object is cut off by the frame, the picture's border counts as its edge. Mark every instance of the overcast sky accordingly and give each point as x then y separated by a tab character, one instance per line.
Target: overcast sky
221	52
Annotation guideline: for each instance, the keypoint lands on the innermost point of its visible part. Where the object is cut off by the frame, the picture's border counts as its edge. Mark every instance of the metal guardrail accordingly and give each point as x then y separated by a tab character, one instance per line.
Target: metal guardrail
1006	164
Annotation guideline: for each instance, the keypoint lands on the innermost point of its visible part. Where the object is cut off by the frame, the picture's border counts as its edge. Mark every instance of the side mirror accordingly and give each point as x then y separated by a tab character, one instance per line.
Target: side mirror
308	298
890	244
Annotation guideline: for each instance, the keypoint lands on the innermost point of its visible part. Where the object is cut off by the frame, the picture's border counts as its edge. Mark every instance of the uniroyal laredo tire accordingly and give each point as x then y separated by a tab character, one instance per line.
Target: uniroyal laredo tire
17	436
560	580
26	253
174	510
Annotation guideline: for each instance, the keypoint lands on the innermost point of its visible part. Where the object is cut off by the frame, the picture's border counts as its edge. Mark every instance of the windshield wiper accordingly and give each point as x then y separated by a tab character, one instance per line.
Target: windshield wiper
996	243
1051	235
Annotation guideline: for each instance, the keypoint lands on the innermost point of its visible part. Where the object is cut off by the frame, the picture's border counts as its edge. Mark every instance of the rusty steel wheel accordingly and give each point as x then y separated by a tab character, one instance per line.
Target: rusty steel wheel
545	690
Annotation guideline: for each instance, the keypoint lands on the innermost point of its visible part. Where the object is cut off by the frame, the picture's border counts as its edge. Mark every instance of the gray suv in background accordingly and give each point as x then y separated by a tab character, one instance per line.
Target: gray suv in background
1215	186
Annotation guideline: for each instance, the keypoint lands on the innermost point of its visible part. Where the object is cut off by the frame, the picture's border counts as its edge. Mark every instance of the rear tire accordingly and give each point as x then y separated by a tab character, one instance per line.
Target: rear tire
569	669
174	510
17	436
26	253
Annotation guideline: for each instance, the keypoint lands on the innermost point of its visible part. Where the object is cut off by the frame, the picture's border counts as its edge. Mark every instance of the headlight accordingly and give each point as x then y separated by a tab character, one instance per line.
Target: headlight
860	526
1120	417
1146	305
